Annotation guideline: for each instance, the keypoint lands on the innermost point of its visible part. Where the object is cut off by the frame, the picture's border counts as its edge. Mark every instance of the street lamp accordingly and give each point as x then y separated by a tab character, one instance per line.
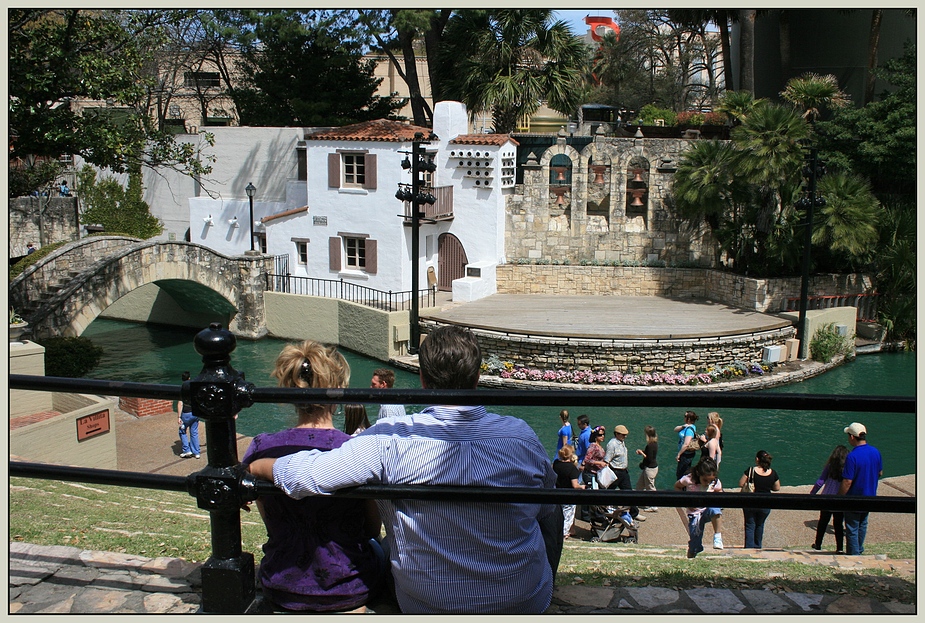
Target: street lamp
811	171
250	189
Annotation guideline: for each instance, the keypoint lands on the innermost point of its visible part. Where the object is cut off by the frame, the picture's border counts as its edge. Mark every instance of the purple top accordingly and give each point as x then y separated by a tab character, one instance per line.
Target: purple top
594	453
826	485
316	556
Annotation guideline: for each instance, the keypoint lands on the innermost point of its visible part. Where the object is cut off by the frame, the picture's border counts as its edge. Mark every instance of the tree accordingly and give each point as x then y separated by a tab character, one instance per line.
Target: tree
306	68
59	56
405	29
509	61
813	92
120	210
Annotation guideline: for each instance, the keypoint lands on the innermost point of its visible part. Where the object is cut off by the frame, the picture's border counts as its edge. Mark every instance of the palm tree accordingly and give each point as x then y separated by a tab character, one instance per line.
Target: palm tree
509	61
737	105
848	221
812	92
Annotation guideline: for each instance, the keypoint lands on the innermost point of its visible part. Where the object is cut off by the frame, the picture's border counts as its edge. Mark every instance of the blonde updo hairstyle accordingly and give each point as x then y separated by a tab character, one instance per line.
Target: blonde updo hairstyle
311	365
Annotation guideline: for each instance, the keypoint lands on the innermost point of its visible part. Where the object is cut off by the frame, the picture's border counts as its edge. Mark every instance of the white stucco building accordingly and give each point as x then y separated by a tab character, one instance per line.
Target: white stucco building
326	200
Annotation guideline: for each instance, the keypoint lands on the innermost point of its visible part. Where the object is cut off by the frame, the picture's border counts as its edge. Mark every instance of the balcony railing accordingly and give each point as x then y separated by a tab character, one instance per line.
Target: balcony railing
348	291
441	210
220	392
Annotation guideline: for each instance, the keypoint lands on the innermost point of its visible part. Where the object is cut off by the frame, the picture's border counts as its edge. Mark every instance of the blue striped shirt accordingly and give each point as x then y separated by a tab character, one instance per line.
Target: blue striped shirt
454	557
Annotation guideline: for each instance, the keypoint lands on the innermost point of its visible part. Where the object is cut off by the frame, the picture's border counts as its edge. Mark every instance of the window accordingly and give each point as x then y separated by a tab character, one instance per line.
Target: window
354	170
355	251
352	253
201	79
302	251
260	238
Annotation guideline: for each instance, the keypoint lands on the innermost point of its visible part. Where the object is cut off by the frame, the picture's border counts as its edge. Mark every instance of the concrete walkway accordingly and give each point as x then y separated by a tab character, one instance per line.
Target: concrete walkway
49	579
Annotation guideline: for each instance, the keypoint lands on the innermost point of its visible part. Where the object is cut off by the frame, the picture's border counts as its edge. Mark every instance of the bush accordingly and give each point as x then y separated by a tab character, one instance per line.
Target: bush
650	112
116	208
70	357
827	344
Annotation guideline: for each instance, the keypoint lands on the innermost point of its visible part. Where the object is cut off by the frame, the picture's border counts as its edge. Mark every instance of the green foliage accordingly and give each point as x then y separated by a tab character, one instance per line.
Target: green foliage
116	208
737	105
826	344
813	93
508	61
846	226
305	68
650	112
59	55
70	357
879	139
24	179
17	268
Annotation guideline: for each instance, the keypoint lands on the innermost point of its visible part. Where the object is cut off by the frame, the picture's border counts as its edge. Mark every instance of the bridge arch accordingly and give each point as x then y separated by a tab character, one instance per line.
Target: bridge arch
230	289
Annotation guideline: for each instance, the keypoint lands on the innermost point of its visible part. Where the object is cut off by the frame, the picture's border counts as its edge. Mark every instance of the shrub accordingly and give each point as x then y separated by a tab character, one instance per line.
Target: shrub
116	208
827	344
70	357
690	118
650	112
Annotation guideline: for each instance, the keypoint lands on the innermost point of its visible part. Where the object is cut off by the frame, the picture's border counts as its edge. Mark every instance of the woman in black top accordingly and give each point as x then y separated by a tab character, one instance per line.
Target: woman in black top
567	475
765	480
648	465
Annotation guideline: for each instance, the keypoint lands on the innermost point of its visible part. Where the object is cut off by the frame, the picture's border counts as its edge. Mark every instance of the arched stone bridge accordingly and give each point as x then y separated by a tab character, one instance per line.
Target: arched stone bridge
61	294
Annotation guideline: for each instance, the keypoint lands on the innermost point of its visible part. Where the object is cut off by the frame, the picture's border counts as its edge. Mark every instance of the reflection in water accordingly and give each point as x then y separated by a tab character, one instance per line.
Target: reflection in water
799	441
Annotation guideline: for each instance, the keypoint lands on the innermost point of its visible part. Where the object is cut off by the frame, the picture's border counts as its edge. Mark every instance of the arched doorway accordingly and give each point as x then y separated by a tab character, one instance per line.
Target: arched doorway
451	261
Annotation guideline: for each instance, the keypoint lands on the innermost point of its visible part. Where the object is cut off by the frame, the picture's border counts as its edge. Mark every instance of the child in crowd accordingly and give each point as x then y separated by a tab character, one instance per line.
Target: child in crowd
701	478
355	419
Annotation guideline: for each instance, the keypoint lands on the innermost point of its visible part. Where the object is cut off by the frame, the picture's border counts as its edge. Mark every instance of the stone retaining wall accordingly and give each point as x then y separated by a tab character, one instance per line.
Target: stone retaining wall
666	356
41	221
761	295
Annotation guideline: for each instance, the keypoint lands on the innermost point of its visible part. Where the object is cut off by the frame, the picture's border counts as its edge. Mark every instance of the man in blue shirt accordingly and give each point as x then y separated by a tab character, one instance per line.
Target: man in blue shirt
584	439
448	557
860	476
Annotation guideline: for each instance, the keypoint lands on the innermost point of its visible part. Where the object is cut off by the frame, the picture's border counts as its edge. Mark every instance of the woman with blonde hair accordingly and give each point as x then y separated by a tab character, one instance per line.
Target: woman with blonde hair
567	475
320	553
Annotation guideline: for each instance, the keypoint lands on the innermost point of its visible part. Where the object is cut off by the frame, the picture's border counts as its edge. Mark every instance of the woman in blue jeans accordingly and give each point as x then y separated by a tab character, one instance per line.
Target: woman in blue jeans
189	428
764	480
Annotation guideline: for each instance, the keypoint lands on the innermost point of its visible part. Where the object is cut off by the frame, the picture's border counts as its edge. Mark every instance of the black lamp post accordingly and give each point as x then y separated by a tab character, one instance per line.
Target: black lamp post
416	198
813	169
250	189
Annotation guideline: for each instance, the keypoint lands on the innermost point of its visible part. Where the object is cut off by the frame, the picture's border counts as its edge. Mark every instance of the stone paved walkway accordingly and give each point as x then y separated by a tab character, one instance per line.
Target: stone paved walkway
60	579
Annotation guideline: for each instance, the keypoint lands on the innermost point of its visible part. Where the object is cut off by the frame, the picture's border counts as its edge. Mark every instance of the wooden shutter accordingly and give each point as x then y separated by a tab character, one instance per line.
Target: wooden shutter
372	263
370	164
334	253
334	170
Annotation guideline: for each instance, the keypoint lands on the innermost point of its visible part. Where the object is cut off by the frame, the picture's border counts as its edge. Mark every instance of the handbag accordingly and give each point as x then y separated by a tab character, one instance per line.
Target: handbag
748	487
606	477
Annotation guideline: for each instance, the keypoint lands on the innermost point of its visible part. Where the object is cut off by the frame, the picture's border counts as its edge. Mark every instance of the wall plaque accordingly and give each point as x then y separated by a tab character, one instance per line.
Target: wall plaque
319	220
92	425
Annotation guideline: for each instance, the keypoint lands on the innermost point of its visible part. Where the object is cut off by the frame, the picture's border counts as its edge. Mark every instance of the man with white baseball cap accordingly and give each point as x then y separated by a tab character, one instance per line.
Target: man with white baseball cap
860	476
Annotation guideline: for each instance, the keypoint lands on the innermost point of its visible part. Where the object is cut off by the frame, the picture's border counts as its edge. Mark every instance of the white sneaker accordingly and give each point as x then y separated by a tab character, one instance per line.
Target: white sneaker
640	517
717	541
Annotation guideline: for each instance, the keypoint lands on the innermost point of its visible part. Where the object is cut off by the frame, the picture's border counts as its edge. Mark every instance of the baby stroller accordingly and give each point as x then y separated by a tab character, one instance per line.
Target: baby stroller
613	524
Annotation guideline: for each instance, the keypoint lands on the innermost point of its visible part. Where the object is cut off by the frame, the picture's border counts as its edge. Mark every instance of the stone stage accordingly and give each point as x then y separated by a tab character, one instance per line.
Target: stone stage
615	332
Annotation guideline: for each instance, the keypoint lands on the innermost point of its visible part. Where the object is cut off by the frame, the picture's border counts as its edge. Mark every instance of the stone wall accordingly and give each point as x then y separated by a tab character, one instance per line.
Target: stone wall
596	219
762	295
41	221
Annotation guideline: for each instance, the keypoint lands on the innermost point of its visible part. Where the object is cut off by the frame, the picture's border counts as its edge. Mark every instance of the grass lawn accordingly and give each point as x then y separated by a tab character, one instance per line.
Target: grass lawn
155	523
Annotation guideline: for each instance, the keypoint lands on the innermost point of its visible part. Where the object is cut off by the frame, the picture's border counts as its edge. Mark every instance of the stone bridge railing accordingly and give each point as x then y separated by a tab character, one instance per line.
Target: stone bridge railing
41	280
66	302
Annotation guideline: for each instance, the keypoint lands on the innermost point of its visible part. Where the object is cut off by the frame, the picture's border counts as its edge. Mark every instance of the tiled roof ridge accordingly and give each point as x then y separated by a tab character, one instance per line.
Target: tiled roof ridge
376	130
282	214
482	139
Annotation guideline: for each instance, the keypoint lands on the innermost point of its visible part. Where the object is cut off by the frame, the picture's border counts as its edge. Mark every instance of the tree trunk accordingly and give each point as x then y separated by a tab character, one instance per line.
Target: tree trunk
872	46
432	39
785	44
406	39
747	50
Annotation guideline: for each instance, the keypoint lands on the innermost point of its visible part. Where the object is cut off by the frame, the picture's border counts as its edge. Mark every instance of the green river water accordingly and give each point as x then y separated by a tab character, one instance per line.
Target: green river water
799	441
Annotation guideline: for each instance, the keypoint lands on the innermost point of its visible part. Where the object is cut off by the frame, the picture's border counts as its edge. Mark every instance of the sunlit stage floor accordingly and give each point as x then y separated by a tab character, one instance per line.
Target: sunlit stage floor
606	317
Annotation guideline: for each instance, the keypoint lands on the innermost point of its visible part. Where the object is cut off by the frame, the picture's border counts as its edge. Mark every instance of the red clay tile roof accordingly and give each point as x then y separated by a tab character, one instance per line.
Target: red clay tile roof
482	139
378	130
272	217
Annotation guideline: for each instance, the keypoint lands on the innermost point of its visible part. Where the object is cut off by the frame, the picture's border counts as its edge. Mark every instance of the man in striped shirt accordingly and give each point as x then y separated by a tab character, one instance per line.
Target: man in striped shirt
448	557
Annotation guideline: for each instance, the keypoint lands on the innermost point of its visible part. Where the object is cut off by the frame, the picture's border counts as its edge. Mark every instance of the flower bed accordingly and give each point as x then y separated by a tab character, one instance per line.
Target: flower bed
493	366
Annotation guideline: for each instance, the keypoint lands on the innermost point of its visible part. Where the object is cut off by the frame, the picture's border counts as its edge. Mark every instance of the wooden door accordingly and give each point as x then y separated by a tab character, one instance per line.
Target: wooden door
451	261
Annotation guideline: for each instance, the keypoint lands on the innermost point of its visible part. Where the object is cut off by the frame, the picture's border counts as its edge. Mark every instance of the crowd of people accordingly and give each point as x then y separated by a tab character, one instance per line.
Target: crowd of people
326	553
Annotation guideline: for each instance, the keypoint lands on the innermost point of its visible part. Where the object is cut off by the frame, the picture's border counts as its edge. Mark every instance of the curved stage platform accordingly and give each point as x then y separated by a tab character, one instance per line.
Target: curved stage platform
615	332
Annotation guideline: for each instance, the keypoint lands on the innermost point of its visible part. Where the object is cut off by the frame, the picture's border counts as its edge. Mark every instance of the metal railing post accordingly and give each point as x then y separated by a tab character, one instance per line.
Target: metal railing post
217	395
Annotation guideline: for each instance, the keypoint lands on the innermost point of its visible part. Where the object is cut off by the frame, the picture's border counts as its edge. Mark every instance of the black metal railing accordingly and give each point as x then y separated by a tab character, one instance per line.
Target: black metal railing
220	392
348	291
866	304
